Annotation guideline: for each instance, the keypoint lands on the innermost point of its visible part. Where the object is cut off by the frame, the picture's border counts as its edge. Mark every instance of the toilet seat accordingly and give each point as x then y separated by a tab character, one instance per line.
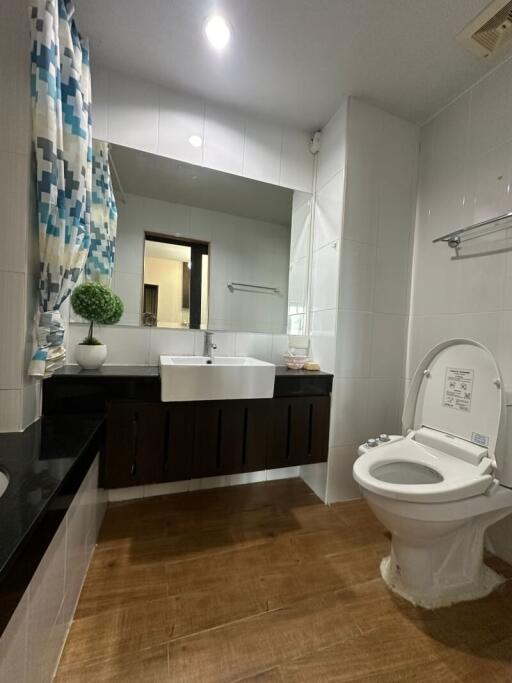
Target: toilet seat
459	479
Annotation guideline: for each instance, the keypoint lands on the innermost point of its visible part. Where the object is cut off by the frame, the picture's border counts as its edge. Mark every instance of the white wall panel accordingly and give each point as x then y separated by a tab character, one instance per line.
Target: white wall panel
262	151
466	159
133	112
181	116
143	116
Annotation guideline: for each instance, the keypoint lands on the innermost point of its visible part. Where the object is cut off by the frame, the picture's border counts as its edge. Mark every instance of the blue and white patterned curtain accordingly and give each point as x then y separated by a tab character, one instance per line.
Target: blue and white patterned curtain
100	261
62	137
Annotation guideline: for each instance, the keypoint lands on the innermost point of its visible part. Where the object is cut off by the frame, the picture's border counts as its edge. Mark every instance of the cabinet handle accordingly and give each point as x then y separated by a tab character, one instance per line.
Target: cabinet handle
310	430
288	431
135	439
244	438
219	436
167	439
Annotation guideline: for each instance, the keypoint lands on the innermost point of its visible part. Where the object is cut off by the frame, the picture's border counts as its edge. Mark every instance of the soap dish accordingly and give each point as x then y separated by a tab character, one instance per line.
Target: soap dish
294	362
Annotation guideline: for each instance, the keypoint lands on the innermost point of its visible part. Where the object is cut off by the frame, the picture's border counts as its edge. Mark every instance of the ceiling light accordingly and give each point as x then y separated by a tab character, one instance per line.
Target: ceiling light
217	31
195	140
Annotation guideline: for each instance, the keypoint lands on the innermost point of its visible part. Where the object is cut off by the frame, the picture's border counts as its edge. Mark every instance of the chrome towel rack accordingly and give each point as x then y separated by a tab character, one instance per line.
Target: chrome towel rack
246	287
491	225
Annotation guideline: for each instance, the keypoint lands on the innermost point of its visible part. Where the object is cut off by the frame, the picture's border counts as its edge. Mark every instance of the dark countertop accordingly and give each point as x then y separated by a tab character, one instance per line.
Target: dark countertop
109	371
153	371
73	390
46	464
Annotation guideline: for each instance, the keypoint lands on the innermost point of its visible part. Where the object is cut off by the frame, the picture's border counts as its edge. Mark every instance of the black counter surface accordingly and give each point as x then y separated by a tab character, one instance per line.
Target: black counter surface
72	390
46	465
74	371
154	371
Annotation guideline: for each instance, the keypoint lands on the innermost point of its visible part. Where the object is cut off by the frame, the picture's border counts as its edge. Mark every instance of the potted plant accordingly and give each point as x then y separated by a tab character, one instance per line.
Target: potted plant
97	304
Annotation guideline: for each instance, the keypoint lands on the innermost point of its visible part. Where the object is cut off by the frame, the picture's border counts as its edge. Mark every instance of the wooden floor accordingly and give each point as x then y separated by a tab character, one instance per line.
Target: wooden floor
264	583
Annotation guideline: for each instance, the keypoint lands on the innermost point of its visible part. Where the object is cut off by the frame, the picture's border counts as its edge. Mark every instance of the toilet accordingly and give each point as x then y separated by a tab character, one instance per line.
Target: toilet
440	486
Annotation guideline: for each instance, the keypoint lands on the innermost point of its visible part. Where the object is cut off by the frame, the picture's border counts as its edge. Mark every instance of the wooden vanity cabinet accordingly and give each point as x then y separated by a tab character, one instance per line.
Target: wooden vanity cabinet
134	444
179	435
299	431
230	437
162	442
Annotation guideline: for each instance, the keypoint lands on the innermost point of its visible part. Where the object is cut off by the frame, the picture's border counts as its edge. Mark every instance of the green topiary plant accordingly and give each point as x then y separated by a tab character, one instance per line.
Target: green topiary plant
97	304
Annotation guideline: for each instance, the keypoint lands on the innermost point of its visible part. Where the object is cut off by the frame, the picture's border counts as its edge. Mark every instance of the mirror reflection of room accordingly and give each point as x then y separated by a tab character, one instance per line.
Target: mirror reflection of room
198	248
175	283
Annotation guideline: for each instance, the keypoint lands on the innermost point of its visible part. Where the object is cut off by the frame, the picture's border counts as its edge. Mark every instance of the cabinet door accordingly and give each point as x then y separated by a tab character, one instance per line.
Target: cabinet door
300	431
288	445
120	446
134	444
179	441
319	410
218	438
255	435
149	450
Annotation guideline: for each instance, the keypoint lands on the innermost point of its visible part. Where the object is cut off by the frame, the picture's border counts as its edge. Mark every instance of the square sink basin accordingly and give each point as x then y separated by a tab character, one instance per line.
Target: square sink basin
194	378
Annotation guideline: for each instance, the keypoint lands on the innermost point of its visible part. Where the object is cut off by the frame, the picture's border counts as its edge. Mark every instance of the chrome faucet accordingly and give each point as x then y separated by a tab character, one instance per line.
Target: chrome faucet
209	346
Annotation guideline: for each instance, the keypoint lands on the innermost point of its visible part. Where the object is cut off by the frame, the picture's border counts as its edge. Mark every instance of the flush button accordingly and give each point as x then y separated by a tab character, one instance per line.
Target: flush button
384	438
371	443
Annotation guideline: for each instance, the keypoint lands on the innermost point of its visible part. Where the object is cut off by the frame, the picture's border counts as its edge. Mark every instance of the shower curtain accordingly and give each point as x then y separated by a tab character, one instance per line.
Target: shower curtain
62	136
100	260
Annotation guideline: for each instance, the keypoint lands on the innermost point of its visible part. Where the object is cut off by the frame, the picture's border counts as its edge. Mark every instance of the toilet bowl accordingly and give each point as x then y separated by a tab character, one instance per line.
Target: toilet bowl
439	487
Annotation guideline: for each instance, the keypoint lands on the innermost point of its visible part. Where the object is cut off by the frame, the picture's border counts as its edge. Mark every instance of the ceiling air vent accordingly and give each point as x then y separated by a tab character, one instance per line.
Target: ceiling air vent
490	31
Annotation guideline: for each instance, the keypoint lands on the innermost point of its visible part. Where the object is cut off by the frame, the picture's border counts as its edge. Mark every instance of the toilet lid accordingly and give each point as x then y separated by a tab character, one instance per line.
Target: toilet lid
457	389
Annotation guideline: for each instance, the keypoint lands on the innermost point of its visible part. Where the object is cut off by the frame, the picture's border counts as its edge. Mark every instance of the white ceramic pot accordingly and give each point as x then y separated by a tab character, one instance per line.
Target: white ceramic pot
90	356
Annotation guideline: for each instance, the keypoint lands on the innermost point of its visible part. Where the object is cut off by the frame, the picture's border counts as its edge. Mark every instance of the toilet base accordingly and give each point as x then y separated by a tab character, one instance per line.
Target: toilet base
432	598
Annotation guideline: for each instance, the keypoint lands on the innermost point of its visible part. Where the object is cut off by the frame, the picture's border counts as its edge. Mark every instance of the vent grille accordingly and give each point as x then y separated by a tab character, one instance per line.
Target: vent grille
490	30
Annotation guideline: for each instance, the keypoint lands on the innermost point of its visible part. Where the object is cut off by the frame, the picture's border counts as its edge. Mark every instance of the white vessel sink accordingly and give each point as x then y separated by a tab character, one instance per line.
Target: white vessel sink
4	482
192	378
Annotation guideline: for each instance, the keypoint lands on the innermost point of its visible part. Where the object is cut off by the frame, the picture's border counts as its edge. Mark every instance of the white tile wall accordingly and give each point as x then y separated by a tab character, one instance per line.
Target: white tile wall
255	345
15	60
12	314
170	342
14	207
138	114
16	261
11	401
296	161
262	151
465	174
329	211
332	147
181	116
132	112
358	262
324	290
223	139
315	476
369	204
144	346
31	645
340	483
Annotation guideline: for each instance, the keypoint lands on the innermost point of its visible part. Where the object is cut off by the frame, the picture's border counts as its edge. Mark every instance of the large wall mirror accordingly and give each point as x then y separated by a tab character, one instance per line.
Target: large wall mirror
198	248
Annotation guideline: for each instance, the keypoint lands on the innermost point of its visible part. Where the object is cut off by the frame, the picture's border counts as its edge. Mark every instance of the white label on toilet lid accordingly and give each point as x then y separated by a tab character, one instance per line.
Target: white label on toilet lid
458	388
480	439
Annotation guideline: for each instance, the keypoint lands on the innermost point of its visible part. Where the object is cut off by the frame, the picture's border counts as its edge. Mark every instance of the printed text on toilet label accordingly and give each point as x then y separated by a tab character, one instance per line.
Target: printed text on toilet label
458	387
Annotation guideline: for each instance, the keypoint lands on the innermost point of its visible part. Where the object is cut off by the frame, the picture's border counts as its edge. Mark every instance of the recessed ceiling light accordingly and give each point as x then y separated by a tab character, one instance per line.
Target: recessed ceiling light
217	31
195	140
